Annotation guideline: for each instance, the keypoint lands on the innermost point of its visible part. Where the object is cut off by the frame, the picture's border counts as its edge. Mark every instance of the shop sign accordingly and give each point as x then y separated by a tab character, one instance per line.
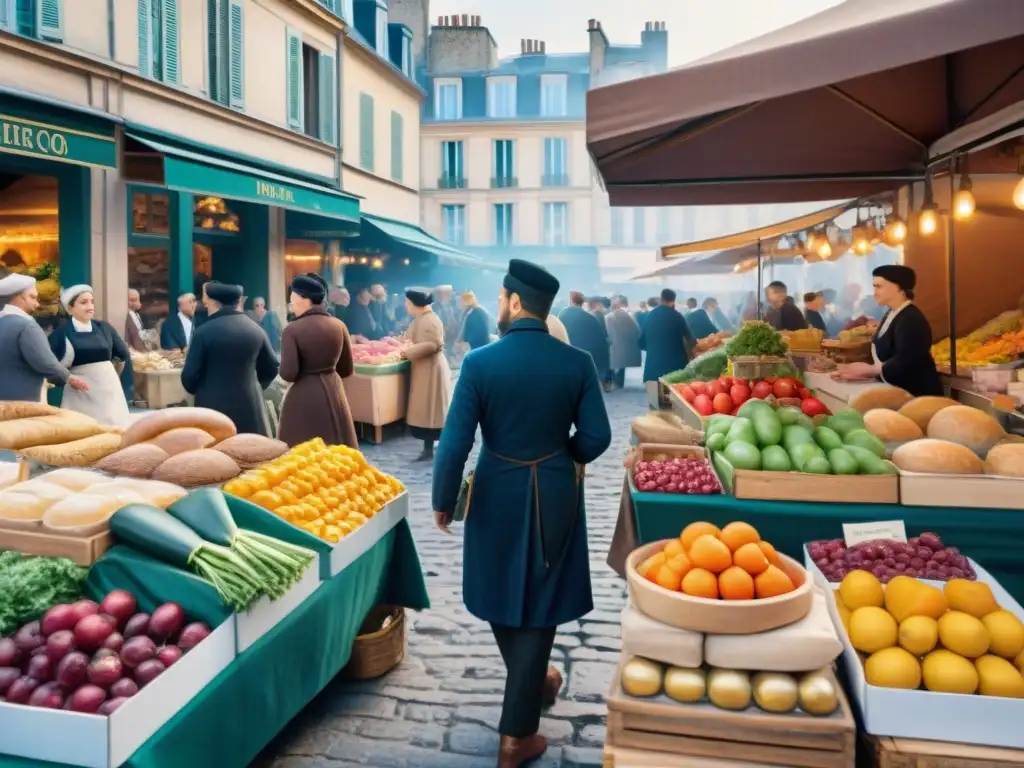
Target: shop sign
277	193
51	142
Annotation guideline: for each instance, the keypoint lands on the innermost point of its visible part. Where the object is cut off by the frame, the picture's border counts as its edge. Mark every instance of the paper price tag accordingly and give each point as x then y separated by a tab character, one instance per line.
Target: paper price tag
889	530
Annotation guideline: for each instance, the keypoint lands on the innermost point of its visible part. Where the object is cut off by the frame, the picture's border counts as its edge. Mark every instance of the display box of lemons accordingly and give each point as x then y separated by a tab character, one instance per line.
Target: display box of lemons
913	635
328	491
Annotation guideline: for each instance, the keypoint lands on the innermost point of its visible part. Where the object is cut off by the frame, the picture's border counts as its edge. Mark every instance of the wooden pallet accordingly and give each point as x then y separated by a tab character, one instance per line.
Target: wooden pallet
887	752
750	738
619	757
83	550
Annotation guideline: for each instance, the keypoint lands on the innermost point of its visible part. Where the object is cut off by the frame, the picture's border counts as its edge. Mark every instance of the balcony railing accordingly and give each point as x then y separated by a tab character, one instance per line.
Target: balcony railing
504	182
555	180
451	182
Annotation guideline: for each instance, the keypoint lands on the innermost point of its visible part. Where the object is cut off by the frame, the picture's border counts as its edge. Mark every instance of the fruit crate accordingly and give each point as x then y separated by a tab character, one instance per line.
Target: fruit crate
925	715
753	367
803	486
684	410
81	550
885	752
845	352
701	734
925	489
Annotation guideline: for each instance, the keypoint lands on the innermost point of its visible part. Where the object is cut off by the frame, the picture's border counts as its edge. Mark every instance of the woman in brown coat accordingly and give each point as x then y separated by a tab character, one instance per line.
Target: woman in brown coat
316	354
430	380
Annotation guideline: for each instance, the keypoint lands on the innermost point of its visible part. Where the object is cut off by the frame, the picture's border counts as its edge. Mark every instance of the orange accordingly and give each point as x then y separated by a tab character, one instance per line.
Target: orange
735	584
668	578
673	548
680	564
770	553
772	583
735	535
694	531
648	568
700	583
750	558
709	553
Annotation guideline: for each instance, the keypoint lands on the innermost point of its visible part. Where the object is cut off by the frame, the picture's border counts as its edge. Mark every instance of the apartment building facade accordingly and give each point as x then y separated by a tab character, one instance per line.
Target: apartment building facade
155	143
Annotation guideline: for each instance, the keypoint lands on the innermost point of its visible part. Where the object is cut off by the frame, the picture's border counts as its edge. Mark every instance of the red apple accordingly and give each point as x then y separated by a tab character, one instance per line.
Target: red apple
722	403
702	404
761	390
739	393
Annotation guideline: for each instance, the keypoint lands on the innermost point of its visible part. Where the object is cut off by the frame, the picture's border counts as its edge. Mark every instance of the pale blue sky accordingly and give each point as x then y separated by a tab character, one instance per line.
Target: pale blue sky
695	27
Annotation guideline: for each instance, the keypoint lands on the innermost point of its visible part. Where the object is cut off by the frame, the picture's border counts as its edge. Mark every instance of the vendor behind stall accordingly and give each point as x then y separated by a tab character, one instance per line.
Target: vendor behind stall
902	343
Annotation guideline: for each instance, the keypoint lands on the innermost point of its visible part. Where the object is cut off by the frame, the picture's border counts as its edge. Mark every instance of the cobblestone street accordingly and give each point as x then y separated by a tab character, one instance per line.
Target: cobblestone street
440	707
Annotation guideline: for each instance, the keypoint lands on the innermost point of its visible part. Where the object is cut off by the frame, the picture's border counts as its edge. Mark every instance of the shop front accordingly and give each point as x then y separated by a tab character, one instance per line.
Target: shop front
46	155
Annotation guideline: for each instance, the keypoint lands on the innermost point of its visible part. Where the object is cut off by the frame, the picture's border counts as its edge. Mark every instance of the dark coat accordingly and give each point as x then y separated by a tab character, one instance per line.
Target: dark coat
229	364
815	320
905	353
360	322
641	319
588	333
383	317
476	327
788	317
525	560
665	338
316	354
172	332
699	324
132	335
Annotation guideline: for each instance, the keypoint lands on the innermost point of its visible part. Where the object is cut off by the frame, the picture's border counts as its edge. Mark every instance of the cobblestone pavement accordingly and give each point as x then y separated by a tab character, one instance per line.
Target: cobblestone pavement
440	707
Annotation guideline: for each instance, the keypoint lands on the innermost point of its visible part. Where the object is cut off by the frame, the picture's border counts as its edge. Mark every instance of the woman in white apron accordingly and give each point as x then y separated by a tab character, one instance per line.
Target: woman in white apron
88	347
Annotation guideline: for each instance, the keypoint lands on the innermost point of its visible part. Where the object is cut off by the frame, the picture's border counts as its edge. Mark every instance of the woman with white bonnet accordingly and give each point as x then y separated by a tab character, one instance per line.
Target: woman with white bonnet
88	347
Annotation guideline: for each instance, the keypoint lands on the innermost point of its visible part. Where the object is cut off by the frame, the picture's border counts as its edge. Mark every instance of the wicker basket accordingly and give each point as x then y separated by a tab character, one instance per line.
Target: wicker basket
844	352
759	367
377	651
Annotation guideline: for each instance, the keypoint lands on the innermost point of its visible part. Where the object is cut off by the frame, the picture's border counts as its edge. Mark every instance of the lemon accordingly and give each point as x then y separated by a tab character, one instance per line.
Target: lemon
893	668
998	677
860	589
1007	634
871	629
946	672
919	634
963	634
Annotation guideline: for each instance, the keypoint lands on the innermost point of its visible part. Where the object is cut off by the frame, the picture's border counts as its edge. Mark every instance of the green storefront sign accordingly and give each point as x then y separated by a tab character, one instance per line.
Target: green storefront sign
53	142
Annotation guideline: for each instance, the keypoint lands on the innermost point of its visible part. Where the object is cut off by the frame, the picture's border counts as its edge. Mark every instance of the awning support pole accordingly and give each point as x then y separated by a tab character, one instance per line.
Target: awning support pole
760	281
951	273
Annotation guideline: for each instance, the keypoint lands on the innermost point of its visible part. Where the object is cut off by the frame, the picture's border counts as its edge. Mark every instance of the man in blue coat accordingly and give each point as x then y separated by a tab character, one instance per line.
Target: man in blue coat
587	332
666	338
526	562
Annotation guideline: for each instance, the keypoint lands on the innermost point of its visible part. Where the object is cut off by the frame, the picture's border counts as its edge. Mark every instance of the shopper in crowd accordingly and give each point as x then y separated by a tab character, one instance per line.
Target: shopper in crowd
339	300
691	304
624	334
88	347
26	359
446	311
176	330
526	561
814	303
666	338
586	332
202	314
476	323
714	311
596	307
133	326
699	323
382	314
557	329
316	354
642	310
359	317
230	362
430	376
268	321
783	314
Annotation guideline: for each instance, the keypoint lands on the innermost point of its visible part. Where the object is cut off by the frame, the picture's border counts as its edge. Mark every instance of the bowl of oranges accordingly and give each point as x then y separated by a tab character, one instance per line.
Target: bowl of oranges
724	581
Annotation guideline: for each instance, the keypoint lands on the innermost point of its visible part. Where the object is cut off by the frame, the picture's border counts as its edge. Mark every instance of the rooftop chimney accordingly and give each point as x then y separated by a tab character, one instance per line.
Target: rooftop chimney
654	41
598	46
459	43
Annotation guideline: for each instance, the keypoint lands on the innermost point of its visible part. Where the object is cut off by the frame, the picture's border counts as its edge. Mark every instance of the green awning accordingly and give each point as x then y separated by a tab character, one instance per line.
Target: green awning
46	131
187	171
411	236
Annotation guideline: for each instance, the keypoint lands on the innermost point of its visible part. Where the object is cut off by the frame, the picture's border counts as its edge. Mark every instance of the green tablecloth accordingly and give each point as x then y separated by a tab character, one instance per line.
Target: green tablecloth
251	701
992	538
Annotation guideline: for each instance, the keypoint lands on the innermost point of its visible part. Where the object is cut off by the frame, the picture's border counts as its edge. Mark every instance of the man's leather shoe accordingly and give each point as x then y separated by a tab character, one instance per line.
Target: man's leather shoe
514	752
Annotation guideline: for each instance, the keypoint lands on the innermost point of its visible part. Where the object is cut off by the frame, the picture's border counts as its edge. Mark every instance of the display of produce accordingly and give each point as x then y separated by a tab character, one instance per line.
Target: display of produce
382	352
998	341
714	341
731	563
676	475
30	585
880	396
706	367
727	394
90	657
924	556
956	640
664	427
756	339
804	340
62	437
859	330
328	491
157	360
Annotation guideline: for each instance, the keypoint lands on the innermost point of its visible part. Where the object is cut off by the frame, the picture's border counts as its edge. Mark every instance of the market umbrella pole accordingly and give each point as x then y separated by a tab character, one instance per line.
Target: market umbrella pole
760	280
951	273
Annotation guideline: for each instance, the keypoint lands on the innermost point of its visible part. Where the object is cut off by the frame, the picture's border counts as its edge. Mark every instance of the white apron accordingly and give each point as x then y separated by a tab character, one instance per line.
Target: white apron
105	399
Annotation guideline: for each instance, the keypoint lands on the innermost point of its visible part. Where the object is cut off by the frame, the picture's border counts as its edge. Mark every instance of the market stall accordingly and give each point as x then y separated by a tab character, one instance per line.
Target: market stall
378	391
157	378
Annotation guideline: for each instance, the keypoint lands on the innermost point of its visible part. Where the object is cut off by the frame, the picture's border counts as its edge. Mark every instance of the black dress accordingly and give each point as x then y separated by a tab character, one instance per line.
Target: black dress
904	351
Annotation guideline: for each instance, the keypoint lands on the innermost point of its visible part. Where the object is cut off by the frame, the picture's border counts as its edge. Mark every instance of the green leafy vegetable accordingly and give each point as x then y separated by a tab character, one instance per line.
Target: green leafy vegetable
756	339
706	367
29	586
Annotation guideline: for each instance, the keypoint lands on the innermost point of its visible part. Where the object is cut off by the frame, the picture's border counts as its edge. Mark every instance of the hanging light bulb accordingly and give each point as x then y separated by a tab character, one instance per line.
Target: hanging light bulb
813	241
895	230
1018	191
825	250
928	223
963	201
861	241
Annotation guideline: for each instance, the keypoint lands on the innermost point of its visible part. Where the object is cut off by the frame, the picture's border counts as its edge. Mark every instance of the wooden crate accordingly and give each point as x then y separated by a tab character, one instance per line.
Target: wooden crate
619	757
83	550
801	486
887	752
750	737
931	490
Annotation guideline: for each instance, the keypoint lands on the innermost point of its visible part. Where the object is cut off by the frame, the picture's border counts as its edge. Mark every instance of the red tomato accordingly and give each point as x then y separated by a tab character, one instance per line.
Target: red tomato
717	388
702	405
722	403
803	392
699	387
761	390
727	380
739	393
783	388
812	406
686	392
771	379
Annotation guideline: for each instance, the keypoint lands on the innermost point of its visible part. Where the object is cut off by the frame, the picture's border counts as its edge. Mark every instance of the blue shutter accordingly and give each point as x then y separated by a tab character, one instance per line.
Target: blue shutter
5	14
397	145
294	82
236	55
145	55
218	64
328	106
366	153
50	20
171	66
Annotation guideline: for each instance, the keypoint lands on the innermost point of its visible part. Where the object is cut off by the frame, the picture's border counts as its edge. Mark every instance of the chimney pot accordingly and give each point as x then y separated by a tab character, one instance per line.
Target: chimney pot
446	23
591	23
440	20
465	19
543	47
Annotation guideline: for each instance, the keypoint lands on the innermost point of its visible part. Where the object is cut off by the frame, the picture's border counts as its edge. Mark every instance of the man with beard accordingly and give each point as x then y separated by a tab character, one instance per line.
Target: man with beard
586	332
526	561
666	337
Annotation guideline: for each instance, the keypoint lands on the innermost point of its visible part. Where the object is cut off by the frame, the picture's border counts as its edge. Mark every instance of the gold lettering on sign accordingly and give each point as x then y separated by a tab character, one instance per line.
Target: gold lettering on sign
274	192
38	141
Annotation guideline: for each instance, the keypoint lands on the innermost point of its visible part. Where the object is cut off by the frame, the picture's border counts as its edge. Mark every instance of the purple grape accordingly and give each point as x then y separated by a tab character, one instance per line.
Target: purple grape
837	555
914	541
952	550
889	562
956	573
902	558
924	553
930	540
940	556
917	563
901	567
913	573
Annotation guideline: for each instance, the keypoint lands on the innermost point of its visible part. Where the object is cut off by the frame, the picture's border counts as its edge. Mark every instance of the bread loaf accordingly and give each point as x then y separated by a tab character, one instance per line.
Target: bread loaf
967	426
77	453
882	396
183	439
74	479
21	510
62	427
155	424
891	428
195	468
937	456
134	461
920	410
153	492
1006	459
18	409
250	450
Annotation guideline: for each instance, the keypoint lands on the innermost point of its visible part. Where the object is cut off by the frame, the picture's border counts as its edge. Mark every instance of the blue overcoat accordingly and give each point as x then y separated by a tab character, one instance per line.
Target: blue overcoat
476	327
665	336
525	557
588	332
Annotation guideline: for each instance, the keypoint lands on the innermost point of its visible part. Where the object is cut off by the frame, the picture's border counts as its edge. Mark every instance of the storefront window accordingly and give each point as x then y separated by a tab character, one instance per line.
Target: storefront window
213	213
151	213
29	239
148	273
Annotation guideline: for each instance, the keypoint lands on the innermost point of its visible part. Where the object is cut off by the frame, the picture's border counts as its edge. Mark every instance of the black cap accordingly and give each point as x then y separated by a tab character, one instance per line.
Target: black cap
420	297
310	286
532	282
902	276
224	294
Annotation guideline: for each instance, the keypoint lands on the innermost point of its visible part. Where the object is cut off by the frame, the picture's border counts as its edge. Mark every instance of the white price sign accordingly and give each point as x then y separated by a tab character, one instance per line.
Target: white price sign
888	530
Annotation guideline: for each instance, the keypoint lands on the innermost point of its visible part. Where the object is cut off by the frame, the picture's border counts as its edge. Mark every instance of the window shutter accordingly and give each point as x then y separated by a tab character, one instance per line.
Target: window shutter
145	55
236	55
215	33
366	153
294	68
172	69
397	145
50	20
328	94
6	18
